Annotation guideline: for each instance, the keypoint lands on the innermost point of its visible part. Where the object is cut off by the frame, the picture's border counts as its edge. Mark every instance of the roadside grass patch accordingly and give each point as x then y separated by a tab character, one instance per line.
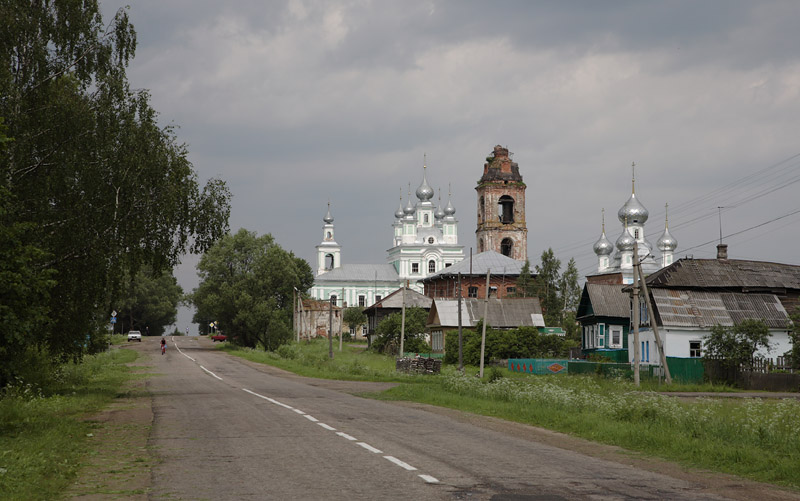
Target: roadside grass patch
310	359
758	439
43	436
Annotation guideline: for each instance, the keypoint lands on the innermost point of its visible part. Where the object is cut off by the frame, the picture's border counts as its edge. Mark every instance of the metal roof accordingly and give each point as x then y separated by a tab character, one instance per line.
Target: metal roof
608	300
508	312
690	308
360	273
481	263
395	300
728	273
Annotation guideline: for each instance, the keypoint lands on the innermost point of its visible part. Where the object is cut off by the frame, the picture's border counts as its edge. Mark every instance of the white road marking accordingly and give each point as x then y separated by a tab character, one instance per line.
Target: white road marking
211	373
179	350
427	478
399	463
369	448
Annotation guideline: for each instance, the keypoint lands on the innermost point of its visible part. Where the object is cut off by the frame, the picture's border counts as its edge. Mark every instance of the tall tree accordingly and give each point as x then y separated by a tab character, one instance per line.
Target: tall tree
570	291
525	282
547	284
246	285
103	188
354	317
388	332
150	302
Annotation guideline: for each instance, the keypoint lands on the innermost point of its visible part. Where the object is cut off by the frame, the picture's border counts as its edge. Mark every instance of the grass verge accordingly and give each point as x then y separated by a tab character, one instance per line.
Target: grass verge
751	438
43	436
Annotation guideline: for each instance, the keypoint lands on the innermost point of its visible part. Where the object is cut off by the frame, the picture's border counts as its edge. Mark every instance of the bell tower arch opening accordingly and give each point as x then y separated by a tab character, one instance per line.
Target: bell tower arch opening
501	207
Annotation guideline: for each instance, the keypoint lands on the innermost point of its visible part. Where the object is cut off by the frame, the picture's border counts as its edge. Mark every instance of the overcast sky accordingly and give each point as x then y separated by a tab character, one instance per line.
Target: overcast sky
295	103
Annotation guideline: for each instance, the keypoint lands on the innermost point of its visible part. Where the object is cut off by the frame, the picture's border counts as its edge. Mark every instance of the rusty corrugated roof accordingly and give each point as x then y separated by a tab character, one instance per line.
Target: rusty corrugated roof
729	273
690	308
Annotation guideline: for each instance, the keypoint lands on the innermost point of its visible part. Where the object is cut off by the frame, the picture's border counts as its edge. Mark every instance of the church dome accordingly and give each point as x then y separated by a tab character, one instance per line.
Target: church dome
439	213
603	247
667	242
449	210
633	211
625	241
424	192
399	212
409	209
328	218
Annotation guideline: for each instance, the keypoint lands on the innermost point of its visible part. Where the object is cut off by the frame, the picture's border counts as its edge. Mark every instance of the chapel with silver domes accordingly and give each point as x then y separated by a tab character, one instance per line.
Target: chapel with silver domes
615	261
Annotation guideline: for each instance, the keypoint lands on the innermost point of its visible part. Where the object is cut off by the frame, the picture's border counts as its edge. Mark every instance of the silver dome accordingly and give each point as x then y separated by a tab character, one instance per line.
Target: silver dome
399	212
439	213
633	211
603	247
449	210
328	218
667	242
424	192
625	241
409	209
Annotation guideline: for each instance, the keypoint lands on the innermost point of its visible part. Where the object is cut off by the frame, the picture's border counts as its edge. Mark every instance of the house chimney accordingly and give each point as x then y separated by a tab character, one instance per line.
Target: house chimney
722	251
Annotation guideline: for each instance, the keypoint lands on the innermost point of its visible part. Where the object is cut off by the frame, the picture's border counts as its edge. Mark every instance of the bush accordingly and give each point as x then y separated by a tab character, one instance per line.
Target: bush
522	342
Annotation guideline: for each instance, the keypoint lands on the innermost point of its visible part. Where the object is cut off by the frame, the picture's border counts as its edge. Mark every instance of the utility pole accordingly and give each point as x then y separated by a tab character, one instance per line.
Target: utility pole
341	322
635	309
650	317
295	317
485	320
460	338
330	328
403	321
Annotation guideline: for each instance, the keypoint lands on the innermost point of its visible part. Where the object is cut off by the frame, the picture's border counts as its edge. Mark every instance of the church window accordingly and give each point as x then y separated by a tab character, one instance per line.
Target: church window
378	297
329	262
506	247
414	267
447	265
481	211
362	301
472	292
430	240
333	299
329	235
431	266
636	234
480	245
425	218
506	207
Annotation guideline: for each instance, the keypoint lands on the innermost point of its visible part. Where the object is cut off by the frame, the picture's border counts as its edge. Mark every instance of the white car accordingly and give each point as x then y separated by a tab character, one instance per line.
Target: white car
135	336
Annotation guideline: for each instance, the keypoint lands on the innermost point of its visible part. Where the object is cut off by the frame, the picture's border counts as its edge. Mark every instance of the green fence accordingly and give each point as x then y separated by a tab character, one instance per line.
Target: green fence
682	370
538	365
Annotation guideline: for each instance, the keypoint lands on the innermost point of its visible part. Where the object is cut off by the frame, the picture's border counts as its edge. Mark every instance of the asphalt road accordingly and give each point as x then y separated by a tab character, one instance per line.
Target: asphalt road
225	430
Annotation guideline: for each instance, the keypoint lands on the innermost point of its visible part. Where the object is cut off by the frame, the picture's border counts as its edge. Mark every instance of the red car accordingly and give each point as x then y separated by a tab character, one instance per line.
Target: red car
219	337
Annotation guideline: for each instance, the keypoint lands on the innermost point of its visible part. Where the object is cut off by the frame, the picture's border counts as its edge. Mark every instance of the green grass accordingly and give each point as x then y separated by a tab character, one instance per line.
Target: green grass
747	437
311	359
43	436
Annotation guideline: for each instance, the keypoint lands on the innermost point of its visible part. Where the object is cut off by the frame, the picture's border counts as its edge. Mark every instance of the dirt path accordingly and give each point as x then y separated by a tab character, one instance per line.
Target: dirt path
120	466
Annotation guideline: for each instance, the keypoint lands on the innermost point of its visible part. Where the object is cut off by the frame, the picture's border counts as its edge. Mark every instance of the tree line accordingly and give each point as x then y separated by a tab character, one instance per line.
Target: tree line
92	189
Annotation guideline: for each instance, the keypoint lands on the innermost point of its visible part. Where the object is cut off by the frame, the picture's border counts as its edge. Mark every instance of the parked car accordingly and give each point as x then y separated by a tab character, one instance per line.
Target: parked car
135	336
219	337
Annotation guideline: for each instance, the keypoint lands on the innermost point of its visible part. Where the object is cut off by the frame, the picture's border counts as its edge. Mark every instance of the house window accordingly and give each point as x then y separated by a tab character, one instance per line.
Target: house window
642	353
378	297
364	330
511	290
431	266
472	292
437	341
362	301
492	291
414	268
616	336
695	349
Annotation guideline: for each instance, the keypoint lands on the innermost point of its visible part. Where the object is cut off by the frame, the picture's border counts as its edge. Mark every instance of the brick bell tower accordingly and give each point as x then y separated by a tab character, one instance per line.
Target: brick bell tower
501	207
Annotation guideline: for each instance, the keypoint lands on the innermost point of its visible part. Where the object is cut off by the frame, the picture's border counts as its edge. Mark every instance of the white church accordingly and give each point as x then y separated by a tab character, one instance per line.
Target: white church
424	241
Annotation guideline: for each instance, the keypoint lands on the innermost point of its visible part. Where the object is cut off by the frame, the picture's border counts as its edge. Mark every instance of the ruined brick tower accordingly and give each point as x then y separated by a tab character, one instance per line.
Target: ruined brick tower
501	207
